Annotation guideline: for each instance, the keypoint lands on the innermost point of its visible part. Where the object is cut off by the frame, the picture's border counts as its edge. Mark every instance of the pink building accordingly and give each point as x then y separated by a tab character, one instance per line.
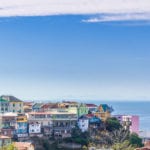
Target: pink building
130	121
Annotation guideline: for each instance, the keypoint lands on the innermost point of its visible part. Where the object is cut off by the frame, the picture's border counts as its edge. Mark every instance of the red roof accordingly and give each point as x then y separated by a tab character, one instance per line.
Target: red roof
90	115
49	105
91	105
28	103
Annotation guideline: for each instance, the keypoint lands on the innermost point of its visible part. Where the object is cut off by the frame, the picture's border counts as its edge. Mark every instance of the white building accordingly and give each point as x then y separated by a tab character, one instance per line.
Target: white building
34	127
83	123
92	107
145	135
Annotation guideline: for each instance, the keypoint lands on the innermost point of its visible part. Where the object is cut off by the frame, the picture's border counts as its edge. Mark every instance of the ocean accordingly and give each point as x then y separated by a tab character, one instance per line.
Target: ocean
142	109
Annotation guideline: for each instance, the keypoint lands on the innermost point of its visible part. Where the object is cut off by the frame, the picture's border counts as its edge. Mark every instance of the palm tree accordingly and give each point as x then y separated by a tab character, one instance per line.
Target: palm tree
123	146
102	139
119	136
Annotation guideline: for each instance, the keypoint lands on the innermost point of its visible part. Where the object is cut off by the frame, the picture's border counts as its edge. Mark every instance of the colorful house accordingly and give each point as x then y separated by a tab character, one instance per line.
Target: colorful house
67	104
79	109
130	122
82	109
103	112
95	120
21	126
27	106
92	107
37	107
4	140
4	105
43	118
63	122
83	123
60	121
48	107
34	128
8	124
15	104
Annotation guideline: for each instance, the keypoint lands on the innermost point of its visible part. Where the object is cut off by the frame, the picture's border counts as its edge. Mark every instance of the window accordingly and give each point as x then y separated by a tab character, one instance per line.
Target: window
13	104
19	111
5	132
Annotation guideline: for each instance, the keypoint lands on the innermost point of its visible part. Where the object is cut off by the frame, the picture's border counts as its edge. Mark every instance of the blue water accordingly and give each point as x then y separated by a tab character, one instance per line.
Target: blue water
142	109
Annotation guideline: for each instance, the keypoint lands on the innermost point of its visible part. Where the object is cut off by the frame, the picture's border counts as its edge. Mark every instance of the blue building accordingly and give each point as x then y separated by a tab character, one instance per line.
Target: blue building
22	126
94	120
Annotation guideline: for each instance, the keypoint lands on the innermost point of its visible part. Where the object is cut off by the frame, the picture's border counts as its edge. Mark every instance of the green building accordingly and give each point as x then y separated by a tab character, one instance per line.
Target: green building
4	105
82	109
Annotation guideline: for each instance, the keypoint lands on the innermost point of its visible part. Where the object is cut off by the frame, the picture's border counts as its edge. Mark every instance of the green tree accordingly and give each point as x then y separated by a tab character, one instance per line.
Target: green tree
79	137
123	146
76	132
112	124
8	147
135	140
84	148
119	136
102	139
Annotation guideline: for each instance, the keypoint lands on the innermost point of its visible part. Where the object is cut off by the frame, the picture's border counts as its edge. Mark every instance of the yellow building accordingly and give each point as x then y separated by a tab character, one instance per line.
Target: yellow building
104	112
22	118
22	126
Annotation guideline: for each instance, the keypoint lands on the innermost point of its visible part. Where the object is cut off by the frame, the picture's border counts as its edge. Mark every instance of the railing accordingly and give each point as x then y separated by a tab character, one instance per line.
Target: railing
55	118
69	119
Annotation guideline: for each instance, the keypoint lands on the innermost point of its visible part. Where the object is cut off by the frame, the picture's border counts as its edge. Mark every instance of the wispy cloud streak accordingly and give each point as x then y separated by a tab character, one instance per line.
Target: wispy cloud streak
119	17
106	10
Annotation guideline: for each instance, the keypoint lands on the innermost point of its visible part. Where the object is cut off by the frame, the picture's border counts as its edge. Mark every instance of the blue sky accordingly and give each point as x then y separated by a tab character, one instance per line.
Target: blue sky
63	57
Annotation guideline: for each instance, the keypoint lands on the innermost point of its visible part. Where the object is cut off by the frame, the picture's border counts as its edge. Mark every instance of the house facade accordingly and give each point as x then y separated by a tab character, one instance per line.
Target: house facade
104	112
82	109
83	123
15	104
4	105
59	121
92	108
8	124
37	107
63	122
34	128
44	118
21	126
4	140
130	122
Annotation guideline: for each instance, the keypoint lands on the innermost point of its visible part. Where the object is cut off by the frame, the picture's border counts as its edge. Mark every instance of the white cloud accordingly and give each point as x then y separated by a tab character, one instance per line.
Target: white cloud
119	17
119	9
